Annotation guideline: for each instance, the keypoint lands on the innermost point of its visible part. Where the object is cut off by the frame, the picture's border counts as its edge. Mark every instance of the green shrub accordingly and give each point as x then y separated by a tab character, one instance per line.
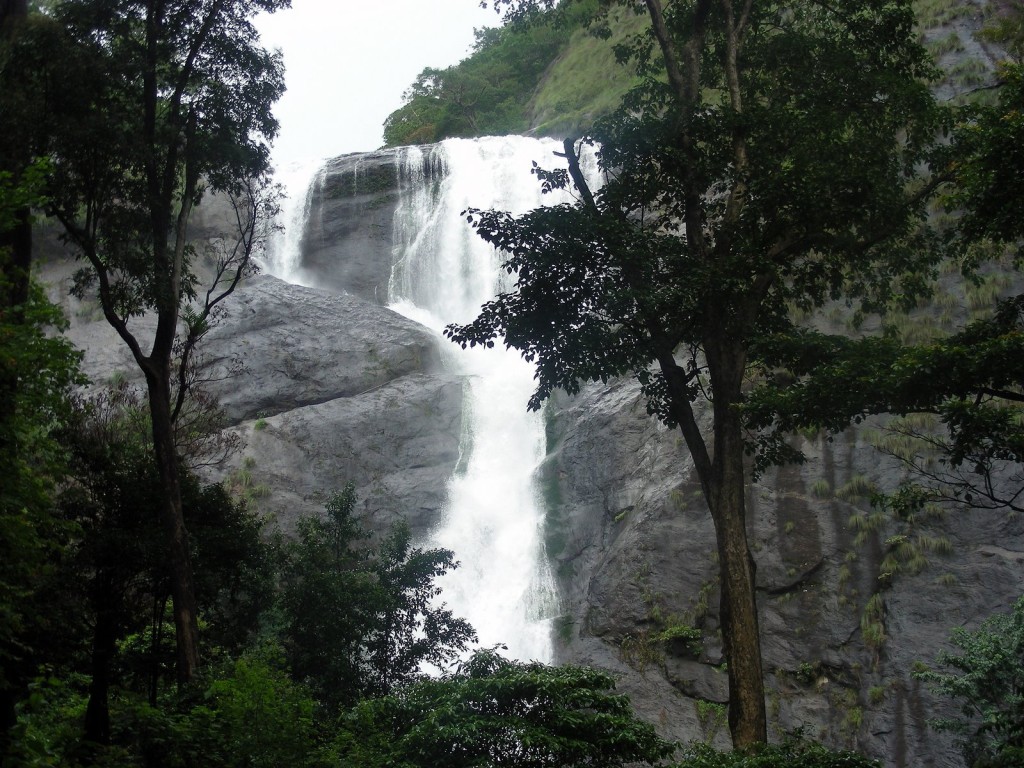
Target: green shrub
499	712
254	716
790	754
988	684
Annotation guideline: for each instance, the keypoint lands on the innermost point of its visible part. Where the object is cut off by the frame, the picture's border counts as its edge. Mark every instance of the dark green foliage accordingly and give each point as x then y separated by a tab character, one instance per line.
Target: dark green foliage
790	754
989	149
970	379
111	584
30	459
37	366
111	494
46	83
496	712
37	370
360	621
252	715
965	378
245	713
987	683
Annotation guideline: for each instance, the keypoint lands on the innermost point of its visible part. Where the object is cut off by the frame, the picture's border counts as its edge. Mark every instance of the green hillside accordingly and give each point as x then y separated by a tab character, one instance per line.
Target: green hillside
549	76
584	81
555	75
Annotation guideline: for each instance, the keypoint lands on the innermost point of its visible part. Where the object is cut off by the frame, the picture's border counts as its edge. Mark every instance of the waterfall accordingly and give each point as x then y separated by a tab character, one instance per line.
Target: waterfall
443	273
284	256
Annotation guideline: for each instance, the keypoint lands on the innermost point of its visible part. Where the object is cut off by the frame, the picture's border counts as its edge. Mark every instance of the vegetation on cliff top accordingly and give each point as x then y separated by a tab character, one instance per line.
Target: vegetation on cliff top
548	75
553	74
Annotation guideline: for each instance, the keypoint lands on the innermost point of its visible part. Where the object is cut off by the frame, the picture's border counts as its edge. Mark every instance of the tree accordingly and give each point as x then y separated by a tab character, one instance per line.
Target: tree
769	159
494	712
987	146
253	716
988	684
487	93
359	622
112	574
15	156
789	754
179	96
832	381
37	371
969	380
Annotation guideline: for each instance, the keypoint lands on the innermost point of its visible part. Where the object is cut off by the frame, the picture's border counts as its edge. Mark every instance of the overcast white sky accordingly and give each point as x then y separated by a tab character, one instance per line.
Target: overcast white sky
349	61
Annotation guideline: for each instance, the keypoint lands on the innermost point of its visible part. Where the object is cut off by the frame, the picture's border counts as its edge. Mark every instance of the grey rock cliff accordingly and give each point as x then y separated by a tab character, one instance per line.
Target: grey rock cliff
346	244
635	551
334	389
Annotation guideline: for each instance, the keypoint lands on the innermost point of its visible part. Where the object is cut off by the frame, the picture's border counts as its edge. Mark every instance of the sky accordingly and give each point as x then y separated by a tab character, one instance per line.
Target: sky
349	61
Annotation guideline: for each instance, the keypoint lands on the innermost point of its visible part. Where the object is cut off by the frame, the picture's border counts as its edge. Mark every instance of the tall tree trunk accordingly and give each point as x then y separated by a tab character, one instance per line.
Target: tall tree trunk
726	490
723	481
13	159
16	244
104	639
741	636
156	636
186	624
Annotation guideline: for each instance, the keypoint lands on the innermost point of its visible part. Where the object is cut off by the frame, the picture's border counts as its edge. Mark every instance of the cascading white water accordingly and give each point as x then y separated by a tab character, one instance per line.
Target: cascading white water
443	273
284	255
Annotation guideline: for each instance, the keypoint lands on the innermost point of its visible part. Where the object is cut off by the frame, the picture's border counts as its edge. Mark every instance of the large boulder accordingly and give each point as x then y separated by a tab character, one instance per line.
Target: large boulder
294	346
332	389
397	443
319	389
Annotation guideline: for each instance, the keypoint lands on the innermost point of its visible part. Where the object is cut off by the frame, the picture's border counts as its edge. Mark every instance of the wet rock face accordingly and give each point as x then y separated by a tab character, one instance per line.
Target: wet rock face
322	389
346	245
397	442
296	346
334	389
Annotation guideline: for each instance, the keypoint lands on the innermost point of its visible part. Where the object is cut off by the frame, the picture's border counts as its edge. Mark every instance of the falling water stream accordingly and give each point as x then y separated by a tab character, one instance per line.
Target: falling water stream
442	273
285	254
